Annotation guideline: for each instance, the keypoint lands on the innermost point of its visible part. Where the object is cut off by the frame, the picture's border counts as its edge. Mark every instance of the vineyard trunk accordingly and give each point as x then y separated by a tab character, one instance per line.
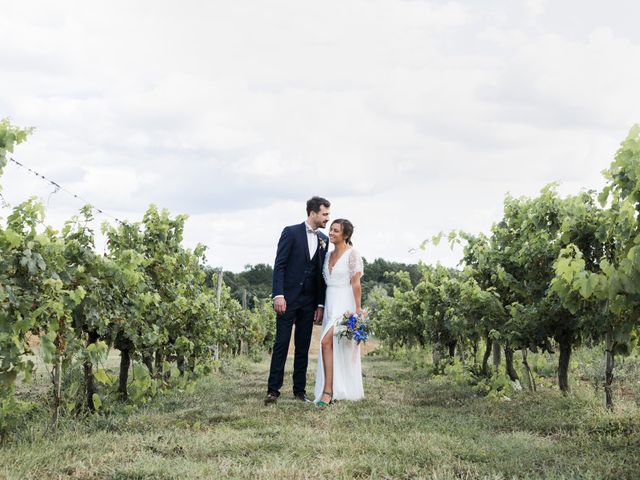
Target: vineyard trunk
609	363
180	361
147	359
57	390
461	352
452	350
475	351
436	353
60	344
563	364
125	362
485	357
88	376
159	363
508	358
496	355
528	375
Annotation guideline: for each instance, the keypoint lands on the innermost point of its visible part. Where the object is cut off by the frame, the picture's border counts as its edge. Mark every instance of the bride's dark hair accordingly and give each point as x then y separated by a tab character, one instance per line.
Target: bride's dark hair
347	229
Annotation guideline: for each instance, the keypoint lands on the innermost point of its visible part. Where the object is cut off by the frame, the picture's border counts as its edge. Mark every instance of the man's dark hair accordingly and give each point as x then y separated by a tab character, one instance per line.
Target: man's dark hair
314	204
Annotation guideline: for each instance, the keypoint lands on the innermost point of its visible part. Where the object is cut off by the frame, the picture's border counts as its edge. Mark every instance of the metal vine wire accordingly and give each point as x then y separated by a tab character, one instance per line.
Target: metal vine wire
58	187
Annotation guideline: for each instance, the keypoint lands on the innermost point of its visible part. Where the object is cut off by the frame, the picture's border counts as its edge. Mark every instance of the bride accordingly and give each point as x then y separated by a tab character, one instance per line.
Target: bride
339	373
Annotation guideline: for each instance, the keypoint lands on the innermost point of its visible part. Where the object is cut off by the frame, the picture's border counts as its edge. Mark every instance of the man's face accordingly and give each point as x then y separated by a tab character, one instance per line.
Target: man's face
319	219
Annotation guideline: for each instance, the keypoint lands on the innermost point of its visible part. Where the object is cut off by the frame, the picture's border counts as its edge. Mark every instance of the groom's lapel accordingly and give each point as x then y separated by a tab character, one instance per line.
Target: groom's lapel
320	251
305	240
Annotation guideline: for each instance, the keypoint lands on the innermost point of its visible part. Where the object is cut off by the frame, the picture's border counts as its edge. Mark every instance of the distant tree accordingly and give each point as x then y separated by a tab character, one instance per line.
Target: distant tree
252	284
374	275
256	280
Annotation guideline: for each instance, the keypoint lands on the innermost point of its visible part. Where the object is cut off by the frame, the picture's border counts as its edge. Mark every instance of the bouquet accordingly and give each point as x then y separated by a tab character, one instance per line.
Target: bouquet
355	326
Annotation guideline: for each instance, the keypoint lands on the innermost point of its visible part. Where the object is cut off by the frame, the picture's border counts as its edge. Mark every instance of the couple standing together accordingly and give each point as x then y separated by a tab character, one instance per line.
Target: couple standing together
311	284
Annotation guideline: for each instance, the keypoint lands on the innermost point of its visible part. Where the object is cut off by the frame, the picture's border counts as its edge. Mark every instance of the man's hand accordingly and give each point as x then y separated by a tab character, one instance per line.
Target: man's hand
317	316
279	305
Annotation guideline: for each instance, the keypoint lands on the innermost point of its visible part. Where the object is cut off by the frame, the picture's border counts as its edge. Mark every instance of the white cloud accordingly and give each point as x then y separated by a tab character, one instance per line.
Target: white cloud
411	116
535	8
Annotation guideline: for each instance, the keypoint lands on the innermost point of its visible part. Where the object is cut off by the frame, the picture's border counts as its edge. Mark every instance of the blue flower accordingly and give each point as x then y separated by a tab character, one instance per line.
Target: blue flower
356	327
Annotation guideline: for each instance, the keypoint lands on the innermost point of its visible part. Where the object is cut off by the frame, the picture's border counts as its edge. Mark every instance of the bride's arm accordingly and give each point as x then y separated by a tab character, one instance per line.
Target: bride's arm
356	269
357	291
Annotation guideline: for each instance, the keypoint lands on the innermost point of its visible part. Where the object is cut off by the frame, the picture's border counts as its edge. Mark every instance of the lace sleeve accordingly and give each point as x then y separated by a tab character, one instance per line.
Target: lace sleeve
355	263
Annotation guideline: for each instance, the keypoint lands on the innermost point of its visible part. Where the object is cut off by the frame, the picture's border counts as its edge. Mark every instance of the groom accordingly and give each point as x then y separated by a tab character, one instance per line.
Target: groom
298	295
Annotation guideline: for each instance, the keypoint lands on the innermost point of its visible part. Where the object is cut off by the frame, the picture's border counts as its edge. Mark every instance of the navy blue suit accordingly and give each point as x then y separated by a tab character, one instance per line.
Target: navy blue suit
299	278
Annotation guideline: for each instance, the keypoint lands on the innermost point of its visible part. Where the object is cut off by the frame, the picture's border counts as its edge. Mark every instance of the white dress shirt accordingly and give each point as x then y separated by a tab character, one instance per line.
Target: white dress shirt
312	240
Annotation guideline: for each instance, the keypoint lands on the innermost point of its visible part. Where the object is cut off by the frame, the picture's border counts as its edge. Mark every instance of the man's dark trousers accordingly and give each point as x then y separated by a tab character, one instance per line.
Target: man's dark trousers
301	316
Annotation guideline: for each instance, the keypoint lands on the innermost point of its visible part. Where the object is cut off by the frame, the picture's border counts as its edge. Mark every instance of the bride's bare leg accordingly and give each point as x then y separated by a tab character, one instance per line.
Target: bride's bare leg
327	362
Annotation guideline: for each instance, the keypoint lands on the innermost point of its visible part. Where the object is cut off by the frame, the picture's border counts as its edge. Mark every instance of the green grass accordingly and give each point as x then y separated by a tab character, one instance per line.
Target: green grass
410	425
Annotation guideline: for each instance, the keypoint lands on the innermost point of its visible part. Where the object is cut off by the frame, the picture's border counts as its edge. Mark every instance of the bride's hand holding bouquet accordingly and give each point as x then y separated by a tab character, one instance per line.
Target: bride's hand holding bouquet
356	326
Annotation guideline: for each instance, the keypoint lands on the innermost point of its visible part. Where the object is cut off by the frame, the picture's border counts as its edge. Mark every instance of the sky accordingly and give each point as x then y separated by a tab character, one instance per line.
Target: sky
412	117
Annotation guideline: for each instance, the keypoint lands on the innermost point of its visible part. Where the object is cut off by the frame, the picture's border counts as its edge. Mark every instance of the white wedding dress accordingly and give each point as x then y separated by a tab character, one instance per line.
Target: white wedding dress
347	370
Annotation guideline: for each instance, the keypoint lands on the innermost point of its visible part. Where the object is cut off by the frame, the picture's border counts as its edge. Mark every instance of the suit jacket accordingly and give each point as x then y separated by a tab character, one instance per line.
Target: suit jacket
295	275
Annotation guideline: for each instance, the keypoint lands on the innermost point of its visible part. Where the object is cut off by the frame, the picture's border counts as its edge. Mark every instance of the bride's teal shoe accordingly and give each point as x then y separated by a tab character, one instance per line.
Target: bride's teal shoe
320	403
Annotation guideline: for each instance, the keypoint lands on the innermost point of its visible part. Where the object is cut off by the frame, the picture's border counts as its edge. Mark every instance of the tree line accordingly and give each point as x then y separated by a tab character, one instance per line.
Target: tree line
253	284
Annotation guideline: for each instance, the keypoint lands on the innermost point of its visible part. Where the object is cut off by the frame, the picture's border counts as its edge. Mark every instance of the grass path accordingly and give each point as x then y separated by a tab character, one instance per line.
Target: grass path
409	426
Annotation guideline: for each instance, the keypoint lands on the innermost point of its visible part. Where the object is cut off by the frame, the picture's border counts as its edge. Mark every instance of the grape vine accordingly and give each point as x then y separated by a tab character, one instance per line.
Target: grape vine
147	296
555	272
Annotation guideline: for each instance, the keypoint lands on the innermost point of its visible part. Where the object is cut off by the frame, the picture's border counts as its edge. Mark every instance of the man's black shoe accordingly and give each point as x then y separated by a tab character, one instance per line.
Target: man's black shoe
303	397
272	397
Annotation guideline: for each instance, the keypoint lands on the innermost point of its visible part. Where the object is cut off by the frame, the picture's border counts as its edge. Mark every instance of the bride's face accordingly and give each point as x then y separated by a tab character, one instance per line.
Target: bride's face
335	234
